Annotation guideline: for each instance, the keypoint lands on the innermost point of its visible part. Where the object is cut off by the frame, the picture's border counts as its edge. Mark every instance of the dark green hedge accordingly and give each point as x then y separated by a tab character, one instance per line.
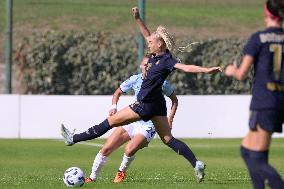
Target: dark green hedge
208	53
96	63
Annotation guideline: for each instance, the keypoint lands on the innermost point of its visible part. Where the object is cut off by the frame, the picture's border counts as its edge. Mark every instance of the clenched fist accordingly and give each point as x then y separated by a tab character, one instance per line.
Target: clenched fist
135	12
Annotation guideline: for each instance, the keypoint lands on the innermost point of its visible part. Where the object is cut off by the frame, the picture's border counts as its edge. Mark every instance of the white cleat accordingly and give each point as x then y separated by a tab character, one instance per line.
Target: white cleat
67	135
199	171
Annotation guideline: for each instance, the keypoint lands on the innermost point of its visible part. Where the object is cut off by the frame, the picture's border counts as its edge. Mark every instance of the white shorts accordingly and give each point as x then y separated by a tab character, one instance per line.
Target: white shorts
141	127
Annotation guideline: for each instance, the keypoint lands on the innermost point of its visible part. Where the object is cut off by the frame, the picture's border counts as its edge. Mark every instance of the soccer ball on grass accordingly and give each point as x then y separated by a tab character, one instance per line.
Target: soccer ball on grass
74	177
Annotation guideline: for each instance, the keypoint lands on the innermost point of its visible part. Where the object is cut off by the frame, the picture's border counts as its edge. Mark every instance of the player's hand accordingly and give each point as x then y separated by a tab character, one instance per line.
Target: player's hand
112	111
135	12
230	70
214	69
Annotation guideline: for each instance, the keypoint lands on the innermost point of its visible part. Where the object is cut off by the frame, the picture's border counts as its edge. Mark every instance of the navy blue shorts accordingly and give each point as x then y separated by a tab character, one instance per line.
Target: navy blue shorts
269	120
148	110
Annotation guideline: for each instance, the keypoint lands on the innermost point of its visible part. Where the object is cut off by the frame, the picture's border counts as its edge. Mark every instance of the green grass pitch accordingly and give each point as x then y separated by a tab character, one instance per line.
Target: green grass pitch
34	164
198	16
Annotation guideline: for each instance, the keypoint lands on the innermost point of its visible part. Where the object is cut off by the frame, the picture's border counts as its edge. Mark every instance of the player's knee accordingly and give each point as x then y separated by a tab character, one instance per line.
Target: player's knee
166	139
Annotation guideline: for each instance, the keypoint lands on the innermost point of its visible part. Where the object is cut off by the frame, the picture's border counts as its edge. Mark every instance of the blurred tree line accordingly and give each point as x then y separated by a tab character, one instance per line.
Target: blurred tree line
96	63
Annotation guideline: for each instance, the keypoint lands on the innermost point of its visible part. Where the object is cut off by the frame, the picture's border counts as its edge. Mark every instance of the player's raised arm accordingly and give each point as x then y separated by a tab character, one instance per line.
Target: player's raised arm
143	29
197	69
239	72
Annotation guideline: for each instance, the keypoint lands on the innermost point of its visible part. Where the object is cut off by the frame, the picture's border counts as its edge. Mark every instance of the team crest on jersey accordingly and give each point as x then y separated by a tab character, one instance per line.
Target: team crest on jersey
148	66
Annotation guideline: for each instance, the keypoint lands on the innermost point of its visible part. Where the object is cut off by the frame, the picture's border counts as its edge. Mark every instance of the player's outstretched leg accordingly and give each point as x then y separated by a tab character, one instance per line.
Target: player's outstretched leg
122	117
67	135
93	132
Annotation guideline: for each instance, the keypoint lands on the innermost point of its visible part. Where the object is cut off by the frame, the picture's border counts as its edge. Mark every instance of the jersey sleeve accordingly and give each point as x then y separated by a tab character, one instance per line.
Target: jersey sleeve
128	84
167	88
252	46
171	62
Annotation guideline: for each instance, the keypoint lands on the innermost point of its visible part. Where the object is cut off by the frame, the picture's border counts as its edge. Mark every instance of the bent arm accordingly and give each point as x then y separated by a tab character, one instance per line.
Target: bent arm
240	73
197	69
174	106
115	98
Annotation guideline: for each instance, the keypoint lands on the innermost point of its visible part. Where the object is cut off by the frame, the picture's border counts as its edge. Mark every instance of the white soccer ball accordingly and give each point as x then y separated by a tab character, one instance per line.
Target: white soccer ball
74	177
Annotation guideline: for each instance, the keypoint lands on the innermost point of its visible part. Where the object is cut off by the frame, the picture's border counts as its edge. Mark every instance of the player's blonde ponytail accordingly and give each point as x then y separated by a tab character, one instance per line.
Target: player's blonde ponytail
171	43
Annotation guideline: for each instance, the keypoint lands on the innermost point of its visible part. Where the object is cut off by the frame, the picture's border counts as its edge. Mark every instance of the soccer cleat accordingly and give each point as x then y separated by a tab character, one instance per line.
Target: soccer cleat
88	180
67	135
199	171
120	176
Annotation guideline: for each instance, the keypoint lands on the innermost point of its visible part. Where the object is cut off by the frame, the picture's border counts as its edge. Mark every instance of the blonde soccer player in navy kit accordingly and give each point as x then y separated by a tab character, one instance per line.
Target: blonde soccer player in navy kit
150	104
264	50
138	134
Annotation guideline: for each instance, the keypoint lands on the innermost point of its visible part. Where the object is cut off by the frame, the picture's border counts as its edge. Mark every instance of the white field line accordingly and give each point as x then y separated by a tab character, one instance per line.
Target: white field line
150	145
99	145
91	144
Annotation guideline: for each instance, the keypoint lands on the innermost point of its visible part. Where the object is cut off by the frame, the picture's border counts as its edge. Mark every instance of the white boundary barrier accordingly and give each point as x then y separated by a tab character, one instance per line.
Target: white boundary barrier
40	116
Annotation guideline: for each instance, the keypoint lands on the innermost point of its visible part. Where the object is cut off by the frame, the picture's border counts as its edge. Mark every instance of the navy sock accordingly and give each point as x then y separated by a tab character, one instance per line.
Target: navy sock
257	181
257	163
93	132
182	149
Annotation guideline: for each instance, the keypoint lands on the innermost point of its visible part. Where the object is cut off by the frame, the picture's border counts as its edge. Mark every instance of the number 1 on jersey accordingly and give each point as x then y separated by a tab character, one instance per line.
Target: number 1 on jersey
277	59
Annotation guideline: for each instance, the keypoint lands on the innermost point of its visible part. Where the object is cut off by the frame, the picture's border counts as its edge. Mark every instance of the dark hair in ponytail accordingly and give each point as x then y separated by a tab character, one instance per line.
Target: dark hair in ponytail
276	7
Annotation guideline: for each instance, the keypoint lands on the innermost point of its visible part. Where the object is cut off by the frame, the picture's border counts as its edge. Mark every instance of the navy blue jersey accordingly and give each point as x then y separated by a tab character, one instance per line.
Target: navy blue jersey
157	70
266	47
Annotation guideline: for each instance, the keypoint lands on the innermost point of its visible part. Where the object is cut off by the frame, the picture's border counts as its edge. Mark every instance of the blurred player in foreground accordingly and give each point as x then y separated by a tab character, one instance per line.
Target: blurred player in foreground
264	50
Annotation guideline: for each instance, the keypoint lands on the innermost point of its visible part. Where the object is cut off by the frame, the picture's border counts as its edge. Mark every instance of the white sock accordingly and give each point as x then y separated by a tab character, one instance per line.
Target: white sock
99	162
126	161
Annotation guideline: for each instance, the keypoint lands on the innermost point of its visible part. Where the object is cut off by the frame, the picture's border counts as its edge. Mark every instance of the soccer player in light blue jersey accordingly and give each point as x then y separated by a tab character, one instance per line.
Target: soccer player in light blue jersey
137	134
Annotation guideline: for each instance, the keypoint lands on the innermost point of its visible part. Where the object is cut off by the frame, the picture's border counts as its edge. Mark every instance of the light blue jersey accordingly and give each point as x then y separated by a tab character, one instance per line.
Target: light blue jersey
135	82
